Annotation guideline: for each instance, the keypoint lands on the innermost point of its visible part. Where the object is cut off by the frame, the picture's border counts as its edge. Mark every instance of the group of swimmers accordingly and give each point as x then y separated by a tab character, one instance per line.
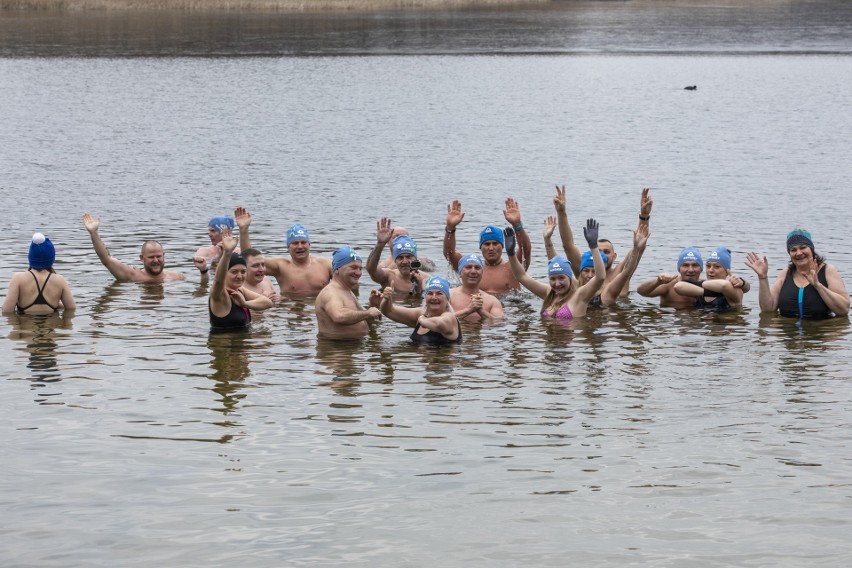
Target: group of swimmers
808	288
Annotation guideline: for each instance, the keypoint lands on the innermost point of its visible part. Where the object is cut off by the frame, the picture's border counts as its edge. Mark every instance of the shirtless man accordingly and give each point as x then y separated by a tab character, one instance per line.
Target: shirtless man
610	292
213	253
426	264
153	258
689	267
256	280
404	280
497	276
572	252
339	316
469	302
300	276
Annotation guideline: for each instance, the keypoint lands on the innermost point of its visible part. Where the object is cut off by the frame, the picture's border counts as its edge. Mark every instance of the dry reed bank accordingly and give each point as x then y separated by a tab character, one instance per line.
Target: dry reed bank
248	5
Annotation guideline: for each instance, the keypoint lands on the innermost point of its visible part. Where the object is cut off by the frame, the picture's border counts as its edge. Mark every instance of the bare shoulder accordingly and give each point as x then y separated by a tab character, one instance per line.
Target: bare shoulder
172	275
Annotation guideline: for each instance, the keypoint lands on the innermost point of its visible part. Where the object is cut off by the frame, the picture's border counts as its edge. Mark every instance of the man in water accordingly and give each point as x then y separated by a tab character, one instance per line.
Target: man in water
426	264
469	302
339	315
404	279
689	267
256	280
153	258
497	276
303	274
213	253
613	270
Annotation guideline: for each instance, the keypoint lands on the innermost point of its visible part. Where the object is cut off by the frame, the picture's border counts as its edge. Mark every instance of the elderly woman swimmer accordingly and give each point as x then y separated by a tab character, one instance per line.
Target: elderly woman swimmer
719	291
230	302
807	288
435	323
564	297
39	290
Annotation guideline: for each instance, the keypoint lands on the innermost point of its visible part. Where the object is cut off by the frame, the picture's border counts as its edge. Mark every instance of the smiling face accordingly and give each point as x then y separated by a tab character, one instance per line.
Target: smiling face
299	250
690	270
236	276
403	262
349	274
560	284
801	256
436	302
606	248
153	259
256	271
586	274
471	274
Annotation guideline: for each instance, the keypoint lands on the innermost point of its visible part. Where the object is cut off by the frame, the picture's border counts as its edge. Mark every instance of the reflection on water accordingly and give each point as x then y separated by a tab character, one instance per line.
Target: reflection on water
560	27
37	336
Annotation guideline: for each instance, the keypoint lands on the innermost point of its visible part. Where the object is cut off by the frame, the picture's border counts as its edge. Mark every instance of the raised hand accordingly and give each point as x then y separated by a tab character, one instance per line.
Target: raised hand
375	298
640	237
665	278
383	230
646	203
242	218
387	293
237	297
812	272
549	226
91	223
590	231
759	265
200	263
509	237
476	302
229	241
559	199
454	214
512	212
735	281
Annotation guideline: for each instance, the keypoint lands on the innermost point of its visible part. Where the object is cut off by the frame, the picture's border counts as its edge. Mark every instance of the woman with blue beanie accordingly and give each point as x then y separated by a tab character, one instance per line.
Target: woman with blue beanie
435	323
718	291
39	290
807	288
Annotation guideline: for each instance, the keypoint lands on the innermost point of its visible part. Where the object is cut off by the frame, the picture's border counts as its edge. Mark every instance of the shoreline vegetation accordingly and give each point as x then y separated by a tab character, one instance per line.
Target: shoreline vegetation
249	5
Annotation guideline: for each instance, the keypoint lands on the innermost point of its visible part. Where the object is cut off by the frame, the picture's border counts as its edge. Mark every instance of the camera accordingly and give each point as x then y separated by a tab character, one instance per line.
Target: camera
415	265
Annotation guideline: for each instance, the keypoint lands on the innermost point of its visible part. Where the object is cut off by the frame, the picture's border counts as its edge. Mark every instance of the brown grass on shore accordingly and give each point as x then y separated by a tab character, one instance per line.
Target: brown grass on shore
247	5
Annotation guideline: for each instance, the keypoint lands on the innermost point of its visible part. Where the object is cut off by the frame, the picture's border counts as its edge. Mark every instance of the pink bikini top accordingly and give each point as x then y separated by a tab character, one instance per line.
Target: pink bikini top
563	313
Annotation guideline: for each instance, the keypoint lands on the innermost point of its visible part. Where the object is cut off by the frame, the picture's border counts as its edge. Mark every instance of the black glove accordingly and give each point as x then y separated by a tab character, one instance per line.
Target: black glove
509	235
590	231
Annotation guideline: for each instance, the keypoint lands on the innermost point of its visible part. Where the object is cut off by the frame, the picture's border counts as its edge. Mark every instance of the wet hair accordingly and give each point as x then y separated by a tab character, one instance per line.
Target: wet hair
150	242
817	257
251	252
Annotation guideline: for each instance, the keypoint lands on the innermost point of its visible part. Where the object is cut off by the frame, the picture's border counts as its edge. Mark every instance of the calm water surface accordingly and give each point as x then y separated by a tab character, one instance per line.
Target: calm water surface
638	437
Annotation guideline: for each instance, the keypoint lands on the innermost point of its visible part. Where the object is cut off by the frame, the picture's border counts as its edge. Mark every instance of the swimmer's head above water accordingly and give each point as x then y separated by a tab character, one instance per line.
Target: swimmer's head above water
42	253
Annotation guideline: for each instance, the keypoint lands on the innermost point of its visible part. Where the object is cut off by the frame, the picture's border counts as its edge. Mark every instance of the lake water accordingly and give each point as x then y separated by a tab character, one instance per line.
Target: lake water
639	437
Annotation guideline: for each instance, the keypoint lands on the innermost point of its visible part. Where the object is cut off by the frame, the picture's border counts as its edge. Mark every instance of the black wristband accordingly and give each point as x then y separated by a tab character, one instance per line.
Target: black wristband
205	271
641	218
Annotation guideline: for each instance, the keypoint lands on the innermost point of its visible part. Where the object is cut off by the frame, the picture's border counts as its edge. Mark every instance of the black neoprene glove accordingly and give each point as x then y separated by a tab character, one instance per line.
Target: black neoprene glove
509	236
590	231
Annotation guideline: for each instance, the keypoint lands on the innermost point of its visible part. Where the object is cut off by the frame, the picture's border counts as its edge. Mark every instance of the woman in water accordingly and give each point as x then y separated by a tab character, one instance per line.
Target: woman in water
435	323
717	292
39	290
564	297
808	288
230	302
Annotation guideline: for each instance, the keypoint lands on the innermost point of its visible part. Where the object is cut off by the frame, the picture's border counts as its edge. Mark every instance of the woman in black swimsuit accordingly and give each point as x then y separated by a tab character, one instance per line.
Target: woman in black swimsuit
39	290
435	323
808	288
230	302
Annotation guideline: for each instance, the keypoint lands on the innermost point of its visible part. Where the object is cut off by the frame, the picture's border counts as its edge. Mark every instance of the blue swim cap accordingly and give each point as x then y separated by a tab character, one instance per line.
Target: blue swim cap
722	256
469	259
586	260
491	233
689	254
403	244
343	256
297	233
42	254
799	237
223	220
438	283
559	265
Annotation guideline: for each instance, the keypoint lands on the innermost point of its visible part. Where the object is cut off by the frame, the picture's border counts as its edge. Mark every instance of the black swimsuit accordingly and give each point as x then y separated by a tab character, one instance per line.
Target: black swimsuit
237	318
803	303
433	337
719	301
40	299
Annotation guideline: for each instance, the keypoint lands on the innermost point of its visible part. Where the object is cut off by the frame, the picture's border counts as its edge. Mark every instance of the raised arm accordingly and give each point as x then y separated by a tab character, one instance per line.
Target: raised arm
379	274
613	290
220	296
834	295
117	268
512	214
454	217
549	227
243	219
767	297
590	289
407	316
572	252
528	282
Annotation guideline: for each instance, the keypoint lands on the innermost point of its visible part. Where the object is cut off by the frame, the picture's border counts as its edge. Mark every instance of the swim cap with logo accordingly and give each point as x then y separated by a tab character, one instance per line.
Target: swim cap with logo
403	244
559	265
297	233
491	233
722	256
587	262
343	256
689	254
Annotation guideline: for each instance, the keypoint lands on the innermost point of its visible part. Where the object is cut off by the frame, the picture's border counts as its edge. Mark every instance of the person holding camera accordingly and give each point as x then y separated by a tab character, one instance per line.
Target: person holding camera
406	279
